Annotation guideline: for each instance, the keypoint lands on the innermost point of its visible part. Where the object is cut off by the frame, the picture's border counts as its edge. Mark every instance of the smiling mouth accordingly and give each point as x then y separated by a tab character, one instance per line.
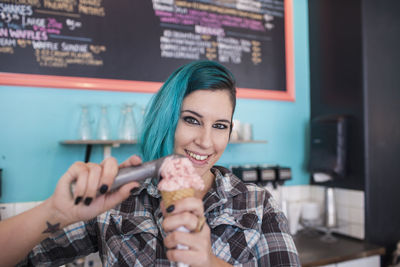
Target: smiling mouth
197	156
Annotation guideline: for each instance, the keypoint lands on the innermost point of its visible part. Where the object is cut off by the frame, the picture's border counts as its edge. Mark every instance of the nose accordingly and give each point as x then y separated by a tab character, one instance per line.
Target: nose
204	138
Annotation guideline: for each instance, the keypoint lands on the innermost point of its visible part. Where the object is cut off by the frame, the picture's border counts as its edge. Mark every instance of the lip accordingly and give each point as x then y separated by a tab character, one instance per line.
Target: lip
195	161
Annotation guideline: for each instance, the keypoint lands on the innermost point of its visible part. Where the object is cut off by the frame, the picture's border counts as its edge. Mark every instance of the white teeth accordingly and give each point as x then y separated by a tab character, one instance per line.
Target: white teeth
197	157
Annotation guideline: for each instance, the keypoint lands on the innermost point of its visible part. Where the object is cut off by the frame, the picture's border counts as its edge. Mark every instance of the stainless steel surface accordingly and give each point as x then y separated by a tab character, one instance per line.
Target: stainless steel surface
330	208
330	218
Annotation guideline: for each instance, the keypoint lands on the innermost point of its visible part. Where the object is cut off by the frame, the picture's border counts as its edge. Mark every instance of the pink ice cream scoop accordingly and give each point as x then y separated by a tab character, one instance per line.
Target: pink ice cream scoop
178	173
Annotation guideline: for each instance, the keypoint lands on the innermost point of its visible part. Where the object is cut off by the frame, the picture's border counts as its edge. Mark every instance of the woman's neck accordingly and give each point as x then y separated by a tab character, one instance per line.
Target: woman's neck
208	178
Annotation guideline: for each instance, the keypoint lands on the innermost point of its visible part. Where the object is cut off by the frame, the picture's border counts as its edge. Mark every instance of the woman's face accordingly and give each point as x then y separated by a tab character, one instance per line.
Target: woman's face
202	133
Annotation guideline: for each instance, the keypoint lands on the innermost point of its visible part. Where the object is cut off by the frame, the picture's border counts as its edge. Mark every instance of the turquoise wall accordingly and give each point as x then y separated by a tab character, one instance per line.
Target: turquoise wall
33	121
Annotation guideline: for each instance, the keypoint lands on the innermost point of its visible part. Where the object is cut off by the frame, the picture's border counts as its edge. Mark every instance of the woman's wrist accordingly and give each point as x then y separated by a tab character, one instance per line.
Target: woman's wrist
54	218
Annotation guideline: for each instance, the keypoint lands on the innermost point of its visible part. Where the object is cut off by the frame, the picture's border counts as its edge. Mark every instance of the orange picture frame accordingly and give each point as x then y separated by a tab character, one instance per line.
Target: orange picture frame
35	80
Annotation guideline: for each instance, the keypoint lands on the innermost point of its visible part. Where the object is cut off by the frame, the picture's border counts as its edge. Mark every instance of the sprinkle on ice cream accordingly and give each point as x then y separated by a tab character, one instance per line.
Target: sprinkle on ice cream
178	173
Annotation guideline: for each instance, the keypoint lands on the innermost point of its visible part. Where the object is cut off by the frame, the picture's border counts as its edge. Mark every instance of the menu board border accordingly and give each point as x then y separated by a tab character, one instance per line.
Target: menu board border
52	81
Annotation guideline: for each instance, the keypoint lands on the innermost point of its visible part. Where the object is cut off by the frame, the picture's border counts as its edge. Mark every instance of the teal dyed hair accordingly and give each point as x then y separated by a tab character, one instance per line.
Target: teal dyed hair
163	112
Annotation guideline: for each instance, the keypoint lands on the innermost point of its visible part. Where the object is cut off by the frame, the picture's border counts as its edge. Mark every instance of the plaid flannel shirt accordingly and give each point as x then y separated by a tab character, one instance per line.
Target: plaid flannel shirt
247	229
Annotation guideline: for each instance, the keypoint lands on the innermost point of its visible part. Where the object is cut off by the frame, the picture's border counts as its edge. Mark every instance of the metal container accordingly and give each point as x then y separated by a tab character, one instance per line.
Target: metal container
247	173
267	173
330	208
250	174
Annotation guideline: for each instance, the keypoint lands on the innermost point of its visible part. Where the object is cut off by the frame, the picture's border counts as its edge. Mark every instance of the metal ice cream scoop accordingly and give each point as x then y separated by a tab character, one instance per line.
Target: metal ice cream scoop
135	173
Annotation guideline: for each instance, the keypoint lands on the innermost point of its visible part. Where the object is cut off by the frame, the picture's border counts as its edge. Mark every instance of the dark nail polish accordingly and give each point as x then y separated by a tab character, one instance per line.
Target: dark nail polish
103	189
88	200
133	190
77	200
170	208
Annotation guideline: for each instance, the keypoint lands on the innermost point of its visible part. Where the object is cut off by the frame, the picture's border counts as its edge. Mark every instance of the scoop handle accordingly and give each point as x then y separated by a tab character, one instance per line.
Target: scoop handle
130	174
134	173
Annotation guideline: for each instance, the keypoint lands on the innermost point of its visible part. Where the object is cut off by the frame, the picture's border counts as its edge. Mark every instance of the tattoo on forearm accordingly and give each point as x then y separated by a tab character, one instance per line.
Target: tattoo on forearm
52	228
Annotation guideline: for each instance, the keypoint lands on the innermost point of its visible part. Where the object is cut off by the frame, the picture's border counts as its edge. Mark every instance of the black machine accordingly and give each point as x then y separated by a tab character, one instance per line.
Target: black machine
263	174
329	145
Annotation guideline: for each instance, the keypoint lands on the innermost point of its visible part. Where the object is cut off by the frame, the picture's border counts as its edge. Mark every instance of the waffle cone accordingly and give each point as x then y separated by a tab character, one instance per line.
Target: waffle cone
170	197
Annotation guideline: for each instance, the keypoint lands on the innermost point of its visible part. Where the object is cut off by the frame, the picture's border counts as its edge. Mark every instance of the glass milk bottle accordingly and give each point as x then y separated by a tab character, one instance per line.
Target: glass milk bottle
103	127
84	128
127	129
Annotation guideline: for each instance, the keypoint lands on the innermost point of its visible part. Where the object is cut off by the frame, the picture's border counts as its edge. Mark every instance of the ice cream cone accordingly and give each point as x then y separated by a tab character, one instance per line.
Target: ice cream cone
170	197
179	181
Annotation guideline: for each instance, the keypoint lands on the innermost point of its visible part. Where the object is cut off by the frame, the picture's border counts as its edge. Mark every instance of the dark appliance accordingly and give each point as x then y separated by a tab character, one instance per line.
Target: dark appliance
328	145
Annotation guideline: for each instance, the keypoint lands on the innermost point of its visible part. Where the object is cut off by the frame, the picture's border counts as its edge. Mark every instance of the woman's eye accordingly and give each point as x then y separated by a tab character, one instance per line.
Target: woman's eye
220	126
191	120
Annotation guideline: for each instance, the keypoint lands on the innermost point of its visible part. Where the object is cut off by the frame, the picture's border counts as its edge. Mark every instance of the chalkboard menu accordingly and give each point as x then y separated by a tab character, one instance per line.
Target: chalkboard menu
145	41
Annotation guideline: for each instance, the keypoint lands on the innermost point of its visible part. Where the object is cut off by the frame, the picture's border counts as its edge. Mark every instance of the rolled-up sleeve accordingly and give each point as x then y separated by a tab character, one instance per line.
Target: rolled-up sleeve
75	241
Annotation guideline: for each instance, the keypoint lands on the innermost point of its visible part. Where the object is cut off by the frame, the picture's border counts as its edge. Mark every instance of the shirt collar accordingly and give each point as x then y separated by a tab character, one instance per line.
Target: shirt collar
150	185
225	187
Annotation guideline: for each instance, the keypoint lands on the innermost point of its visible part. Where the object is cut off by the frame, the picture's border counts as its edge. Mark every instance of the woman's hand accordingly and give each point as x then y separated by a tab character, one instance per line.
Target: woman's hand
90	178
187	212
20	233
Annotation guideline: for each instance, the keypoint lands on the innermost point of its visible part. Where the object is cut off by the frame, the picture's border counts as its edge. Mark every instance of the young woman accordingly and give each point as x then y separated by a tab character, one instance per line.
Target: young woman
190	115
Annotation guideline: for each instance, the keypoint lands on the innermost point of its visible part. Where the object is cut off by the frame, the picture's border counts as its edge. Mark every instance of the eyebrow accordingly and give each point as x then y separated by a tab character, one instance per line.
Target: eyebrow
201	116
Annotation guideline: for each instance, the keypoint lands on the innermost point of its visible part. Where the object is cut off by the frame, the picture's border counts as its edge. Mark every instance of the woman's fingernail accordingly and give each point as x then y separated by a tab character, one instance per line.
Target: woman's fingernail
170	208
103	189
77	200
133	190
88	200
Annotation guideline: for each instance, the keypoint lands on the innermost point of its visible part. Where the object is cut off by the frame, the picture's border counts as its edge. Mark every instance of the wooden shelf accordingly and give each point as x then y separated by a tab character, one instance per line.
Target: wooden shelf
107	145
114	143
